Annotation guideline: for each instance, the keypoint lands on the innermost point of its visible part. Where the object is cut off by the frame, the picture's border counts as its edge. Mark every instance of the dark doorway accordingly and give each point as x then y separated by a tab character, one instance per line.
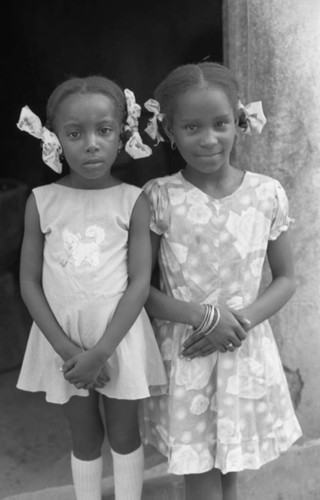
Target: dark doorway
135	43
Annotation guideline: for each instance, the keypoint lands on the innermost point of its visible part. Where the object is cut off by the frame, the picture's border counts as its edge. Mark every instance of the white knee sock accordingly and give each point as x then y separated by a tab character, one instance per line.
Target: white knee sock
87	477
128	474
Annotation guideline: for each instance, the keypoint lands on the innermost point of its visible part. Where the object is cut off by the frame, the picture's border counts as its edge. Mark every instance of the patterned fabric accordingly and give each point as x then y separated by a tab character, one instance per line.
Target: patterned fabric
84	277
51	147
231	411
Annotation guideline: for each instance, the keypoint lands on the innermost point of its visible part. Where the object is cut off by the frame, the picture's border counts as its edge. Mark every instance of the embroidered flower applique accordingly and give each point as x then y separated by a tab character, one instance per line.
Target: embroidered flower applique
79	252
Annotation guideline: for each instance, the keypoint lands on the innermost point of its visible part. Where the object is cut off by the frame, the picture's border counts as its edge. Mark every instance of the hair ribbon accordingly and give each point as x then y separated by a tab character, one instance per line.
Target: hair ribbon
51	147
134	146
251	117
152	127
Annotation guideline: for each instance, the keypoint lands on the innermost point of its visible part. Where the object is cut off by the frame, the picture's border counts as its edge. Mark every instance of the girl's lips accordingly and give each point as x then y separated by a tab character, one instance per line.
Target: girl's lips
209	155
93	162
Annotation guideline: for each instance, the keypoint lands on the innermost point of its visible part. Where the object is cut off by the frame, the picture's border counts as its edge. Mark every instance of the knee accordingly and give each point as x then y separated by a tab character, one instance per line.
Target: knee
87	445
124	440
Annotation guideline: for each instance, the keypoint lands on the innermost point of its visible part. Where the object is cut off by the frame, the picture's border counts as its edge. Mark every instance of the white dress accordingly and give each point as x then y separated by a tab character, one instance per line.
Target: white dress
84	277
231	411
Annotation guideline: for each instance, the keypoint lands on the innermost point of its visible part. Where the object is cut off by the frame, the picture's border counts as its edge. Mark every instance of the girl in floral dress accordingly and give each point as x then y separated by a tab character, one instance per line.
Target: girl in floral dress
228	407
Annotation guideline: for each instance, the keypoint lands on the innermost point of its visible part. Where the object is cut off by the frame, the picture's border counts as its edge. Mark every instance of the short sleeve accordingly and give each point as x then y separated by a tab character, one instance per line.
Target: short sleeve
159	206
280	220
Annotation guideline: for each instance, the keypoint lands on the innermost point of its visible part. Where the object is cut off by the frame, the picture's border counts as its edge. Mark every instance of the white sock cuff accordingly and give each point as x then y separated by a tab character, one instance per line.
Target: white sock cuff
138	453
87	476
85	463
128	474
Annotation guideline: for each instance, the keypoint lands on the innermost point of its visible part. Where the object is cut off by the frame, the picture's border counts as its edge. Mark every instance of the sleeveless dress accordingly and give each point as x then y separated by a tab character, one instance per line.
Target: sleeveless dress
232	410
84	277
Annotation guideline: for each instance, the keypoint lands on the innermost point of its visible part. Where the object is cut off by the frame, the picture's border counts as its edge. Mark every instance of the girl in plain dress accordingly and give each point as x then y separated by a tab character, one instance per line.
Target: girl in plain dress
85	271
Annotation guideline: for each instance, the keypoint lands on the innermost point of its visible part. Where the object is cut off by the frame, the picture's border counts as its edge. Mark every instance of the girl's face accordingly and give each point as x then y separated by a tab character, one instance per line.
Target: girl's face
204	130
89	129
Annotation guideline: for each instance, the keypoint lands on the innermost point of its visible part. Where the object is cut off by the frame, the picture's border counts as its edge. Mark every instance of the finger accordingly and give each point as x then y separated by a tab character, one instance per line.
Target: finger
234	340
70	375
241	318
230	347
74	378
101	382
195	337
245	322
222	349
68	365
191	348
206	351
196	347
241	333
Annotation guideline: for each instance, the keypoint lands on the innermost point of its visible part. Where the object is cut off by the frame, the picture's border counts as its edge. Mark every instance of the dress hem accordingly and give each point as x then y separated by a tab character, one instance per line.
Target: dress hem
202	470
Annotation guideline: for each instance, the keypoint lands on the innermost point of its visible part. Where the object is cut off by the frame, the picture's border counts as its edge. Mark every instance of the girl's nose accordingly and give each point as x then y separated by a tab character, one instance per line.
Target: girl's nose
209	138
91	148
92	144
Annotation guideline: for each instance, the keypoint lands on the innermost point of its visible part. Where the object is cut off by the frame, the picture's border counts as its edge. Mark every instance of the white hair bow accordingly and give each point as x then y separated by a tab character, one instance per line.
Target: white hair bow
51	147
152	128
251	117
134	146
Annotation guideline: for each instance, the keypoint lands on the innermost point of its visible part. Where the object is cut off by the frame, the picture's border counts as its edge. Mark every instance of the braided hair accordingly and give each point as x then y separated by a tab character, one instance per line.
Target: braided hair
195	76
88	85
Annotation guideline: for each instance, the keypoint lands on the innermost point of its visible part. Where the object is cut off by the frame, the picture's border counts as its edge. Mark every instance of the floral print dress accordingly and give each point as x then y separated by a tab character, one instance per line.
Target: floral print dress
231	411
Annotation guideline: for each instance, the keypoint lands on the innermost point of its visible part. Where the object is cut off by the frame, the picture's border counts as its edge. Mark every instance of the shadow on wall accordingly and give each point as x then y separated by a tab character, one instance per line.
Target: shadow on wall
14	318
136	45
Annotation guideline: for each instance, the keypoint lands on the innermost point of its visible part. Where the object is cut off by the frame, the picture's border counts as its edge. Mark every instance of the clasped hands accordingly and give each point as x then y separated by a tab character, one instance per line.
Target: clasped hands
86	370
226	336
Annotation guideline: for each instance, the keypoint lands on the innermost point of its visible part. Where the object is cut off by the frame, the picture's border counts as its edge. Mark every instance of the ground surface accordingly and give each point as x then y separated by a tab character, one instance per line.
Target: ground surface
35	442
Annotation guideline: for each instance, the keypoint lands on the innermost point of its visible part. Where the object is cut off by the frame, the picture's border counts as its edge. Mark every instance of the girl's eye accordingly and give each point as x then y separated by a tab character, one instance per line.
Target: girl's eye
73	135
191	128
221	124
105	130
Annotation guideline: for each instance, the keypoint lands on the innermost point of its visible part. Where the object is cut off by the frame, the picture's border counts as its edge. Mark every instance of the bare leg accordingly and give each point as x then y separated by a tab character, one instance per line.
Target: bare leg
86	425
205	486
122	424
87	437
127	451
229	486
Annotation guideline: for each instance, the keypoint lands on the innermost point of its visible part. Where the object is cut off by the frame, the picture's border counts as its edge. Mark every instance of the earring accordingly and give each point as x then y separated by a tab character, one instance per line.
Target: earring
173	145
61	156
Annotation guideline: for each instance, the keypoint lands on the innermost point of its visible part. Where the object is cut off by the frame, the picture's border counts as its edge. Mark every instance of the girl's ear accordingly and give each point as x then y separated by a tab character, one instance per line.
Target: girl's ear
168	129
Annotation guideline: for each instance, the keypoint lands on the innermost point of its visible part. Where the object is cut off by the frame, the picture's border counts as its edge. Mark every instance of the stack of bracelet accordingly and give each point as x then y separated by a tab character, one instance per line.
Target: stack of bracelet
210	320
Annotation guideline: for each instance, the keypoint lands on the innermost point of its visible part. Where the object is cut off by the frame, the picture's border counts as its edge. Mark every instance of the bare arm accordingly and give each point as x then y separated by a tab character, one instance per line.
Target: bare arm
162	306
272	299
82	369
31	284
282	286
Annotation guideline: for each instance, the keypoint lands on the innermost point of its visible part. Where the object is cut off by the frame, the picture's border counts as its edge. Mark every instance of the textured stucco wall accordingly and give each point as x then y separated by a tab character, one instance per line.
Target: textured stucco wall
274	48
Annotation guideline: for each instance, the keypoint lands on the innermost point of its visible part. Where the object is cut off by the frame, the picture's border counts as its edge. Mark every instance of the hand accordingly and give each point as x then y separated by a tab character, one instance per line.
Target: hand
197	345
228	331
102	378
244	322
83	369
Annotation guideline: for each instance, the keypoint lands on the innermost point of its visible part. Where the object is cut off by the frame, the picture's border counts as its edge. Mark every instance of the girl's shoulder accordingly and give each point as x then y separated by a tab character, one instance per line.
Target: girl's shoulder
43	191
264	182
129	188
163	183
44	188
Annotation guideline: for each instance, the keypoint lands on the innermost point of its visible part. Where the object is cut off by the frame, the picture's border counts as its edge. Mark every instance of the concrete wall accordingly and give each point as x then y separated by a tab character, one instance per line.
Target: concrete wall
274	48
